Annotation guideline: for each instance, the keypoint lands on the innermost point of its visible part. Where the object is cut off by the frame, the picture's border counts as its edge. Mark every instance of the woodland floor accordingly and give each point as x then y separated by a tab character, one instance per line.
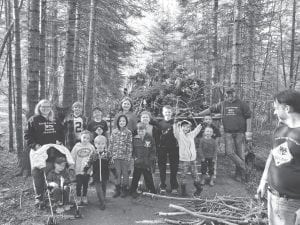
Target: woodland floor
16	195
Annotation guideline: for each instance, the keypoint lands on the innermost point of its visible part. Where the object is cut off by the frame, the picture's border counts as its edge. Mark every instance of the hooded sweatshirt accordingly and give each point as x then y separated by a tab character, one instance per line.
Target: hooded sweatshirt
81	154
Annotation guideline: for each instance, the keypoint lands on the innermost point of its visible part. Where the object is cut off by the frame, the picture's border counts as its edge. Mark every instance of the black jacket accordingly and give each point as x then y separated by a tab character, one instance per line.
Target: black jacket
43	131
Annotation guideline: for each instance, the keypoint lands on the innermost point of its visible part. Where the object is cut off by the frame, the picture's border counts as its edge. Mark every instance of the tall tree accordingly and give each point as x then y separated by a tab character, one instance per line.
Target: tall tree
215	71
90	79
236	64
33	57
54	54
18	77
69	55
76	53
292	84
9	75
43	49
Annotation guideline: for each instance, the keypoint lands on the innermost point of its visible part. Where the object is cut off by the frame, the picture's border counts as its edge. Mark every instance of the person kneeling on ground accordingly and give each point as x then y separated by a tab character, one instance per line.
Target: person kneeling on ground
143	154
187	154
100	161
58	180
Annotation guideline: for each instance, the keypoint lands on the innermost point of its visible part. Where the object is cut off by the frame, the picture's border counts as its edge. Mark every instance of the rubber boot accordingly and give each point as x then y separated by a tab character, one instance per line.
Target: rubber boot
117	191
199	188
183	190
124	191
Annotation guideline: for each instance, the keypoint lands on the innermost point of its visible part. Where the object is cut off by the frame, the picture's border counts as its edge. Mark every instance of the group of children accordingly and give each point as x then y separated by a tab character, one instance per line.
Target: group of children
142	142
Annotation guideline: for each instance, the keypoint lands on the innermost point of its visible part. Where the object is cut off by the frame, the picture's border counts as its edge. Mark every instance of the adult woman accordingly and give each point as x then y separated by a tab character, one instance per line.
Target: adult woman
42	129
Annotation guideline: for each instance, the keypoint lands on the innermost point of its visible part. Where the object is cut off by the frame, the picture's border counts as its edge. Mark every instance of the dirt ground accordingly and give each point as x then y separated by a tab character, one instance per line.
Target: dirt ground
16	199
126	211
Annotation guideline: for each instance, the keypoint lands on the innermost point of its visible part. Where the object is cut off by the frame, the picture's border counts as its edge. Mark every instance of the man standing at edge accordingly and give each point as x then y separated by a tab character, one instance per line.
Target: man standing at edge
236	119
281	175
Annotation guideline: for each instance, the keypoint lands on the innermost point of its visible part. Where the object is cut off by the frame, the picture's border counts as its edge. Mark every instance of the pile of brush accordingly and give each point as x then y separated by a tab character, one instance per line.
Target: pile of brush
217	211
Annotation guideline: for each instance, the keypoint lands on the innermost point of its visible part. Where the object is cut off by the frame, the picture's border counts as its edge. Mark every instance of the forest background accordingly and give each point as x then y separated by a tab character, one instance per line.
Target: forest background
93	50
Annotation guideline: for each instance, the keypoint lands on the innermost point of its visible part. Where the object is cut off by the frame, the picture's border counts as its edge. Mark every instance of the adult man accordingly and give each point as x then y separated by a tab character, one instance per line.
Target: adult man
236	119
282	170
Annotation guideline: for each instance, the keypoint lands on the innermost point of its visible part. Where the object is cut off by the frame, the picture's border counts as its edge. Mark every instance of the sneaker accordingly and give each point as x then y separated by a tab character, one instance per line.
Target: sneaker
162	191
85	200
174	192
78	200
211	182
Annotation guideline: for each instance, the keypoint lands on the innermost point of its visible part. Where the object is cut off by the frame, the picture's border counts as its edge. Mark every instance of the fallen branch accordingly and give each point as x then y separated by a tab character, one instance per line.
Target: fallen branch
172	213
198	215
170	197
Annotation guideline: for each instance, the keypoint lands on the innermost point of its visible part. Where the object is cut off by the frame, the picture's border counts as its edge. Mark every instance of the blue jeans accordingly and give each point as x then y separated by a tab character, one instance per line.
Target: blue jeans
235	146
281	211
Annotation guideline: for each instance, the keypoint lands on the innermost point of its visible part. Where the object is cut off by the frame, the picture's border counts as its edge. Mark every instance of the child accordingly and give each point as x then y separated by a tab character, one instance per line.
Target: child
100	161
207	152
58	179
81	153
167	149
96	122
120	148
207	121
143	154
187	154
127	110
74	124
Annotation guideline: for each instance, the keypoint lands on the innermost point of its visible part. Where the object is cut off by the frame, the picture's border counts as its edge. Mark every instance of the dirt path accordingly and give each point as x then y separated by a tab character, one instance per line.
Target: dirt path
126	211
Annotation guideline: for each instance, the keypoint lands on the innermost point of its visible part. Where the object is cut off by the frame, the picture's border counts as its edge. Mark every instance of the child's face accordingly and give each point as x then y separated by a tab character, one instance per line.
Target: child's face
167	113
141	132
208	132
77	110
122	122
145	119
186	128
59	166
85	138
97	114
100	145
126	105
207	120
99	131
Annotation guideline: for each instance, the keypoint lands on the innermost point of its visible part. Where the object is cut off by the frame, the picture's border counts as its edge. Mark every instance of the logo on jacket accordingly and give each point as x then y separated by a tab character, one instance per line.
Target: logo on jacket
282	154
147	144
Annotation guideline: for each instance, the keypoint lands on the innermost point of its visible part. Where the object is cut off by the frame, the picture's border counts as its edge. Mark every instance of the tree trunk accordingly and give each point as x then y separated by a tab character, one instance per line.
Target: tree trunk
76	53
236	65
69	56
215	70
33	57
9	75
54	38
292	84
18	75
90	80
42	49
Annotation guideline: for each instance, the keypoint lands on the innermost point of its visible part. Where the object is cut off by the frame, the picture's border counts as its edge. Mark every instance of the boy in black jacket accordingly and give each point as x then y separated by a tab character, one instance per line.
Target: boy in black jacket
100	161
167	147
143	154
